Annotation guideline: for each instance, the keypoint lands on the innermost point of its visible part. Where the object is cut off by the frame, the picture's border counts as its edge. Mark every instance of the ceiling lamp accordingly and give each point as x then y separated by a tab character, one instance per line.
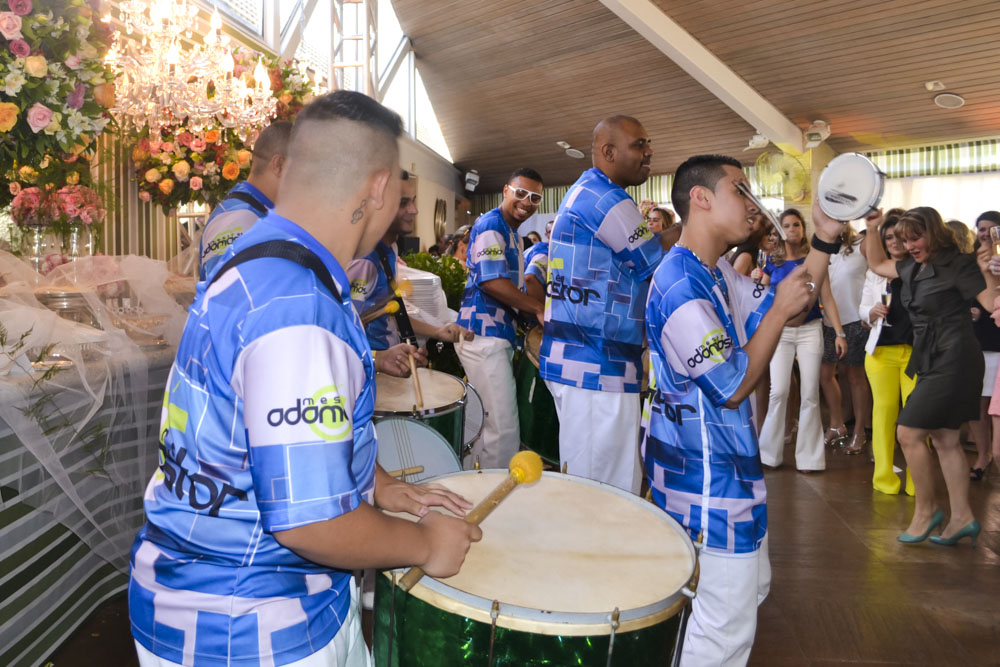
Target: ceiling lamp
572	152
949	101
160	84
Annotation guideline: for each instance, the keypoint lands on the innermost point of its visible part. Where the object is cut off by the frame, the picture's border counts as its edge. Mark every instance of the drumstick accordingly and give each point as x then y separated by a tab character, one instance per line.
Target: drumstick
416	383
403	289
415	470
388	308
525	468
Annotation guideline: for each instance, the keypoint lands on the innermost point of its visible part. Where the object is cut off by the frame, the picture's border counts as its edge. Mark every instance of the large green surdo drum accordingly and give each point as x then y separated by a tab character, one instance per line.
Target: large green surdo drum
536	410
568	570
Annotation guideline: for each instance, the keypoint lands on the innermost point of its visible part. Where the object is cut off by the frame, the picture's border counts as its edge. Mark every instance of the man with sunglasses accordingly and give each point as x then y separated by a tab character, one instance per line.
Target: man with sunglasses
493	295
601	256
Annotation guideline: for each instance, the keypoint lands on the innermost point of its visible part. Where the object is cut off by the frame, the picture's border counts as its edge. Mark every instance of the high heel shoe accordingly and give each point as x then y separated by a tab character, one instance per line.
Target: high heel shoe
971	530
936	521
977	474
855	445
835	437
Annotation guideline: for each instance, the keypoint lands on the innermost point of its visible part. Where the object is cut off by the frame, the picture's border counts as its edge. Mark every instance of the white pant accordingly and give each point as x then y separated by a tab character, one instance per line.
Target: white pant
346	649
723	619
599	434
487	363
806	342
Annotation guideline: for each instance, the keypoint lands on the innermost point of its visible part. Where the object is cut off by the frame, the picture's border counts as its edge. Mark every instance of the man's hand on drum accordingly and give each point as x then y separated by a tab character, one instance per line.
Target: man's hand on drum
394	495
452	333
396	360
448	541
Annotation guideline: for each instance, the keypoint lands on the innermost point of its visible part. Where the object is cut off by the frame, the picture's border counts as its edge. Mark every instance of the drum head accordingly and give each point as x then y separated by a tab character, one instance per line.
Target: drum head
441	392
850	187
475	415
406	443
565	551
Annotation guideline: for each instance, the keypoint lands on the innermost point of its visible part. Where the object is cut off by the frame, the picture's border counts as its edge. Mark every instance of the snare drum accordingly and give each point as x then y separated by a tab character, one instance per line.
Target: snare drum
475	416
413	451
560	562
536	410
444	402
850	187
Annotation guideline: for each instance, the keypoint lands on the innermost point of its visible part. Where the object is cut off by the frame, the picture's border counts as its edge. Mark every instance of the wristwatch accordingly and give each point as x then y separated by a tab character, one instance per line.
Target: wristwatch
840	334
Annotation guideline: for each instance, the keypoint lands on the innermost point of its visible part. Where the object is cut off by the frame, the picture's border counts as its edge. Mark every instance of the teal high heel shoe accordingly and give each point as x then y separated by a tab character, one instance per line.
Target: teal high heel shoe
936	521
971	530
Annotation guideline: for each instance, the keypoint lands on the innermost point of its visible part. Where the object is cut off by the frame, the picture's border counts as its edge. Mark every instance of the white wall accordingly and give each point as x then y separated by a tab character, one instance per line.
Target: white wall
436	179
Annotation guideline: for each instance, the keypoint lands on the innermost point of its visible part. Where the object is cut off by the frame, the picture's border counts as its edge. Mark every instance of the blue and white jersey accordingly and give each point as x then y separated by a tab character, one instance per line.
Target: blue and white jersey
369	285
266	426
228	221
536	261
702	458
494	252
601	253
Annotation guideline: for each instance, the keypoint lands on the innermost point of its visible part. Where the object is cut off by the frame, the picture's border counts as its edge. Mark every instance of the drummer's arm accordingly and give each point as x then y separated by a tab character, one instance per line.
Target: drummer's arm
534	288
449	332
505	291
874	252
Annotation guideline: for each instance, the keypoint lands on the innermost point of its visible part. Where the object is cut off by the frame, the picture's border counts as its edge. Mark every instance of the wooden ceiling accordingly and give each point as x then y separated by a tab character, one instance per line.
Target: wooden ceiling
509	79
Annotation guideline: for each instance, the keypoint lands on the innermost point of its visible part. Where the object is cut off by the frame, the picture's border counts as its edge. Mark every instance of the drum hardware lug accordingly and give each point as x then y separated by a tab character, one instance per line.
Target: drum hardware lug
494	613
689	593
699	544
564	466
476	464
440	346
613	622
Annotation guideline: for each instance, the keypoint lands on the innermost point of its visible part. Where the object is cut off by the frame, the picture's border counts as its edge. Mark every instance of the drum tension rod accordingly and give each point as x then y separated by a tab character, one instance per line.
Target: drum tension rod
392	619
494	612
613	621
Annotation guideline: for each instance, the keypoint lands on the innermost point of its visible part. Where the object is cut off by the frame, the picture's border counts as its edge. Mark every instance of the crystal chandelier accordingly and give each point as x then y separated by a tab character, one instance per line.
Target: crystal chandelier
161	84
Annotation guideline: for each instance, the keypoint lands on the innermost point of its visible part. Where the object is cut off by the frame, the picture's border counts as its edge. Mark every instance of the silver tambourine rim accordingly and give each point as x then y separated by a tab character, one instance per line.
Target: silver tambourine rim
546	622
870	205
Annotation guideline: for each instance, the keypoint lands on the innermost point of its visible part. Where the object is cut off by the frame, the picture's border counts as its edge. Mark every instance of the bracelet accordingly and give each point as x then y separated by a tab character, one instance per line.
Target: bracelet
824	246
840	334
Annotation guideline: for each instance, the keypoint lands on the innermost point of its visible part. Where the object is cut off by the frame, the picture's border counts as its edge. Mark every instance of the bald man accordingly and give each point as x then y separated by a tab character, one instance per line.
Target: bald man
601	256
263	501
248	200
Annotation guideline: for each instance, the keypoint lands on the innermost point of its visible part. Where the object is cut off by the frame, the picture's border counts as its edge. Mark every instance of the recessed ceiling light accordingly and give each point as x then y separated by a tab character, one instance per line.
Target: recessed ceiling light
949	100
562	144
574	152
931	86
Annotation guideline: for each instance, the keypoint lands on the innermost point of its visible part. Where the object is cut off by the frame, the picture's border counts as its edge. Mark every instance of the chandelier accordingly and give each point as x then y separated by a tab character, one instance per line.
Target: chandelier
161	84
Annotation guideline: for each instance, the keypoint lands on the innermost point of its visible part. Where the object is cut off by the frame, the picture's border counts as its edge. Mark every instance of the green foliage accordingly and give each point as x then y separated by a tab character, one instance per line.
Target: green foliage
448	269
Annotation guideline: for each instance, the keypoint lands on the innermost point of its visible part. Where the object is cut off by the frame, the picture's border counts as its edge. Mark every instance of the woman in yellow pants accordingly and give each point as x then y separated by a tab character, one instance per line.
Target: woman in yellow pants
890	344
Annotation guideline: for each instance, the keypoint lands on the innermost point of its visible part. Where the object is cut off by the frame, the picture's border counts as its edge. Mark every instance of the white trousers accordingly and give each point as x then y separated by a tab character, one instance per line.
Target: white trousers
487	363
599	434
806	343
346	649
723	619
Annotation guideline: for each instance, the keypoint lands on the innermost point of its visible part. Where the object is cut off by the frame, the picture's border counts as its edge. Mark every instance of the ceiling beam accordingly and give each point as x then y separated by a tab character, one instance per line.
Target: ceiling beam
704	67
290	39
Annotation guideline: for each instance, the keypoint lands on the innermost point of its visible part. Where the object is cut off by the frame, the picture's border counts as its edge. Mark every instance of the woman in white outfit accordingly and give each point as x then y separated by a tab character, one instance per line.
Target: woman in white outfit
804	342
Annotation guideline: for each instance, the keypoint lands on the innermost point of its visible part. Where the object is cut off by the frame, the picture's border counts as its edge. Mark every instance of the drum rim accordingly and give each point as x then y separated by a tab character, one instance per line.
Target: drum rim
863	208
435	411
570	623
468	441
448	445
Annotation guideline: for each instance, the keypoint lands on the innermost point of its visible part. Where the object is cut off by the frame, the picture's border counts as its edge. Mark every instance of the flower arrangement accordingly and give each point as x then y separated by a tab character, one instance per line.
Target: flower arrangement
177	167
60	210
54	92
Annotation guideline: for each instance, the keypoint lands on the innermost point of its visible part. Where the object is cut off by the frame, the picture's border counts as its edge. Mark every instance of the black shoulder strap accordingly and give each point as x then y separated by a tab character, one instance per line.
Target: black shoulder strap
401	316
247	198
283	250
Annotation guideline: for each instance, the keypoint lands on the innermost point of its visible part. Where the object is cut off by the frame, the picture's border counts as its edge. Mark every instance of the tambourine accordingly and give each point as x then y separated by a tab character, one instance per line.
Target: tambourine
748	193
850	187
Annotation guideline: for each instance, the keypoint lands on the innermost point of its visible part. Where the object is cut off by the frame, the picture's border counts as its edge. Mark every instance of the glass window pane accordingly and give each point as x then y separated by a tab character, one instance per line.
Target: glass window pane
389	34
315	45
428	129
248	12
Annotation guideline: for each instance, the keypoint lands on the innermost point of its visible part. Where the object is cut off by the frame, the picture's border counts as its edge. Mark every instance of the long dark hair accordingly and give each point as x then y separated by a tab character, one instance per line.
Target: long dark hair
926	222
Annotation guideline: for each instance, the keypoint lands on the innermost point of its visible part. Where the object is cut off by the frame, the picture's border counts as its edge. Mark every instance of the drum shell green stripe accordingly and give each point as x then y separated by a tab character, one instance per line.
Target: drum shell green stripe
426	636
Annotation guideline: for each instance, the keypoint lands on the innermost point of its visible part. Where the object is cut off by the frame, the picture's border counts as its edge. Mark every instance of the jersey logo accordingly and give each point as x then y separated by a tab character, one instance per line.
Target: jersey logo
324	413
223	241
641	232
557	289
712	348
492	251
359	286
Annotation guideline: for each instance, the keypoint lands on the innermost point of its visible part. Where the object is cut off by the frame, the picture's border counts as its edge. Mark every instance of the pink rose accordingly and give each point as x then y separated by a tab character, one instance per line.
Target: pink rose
20	48
73	62
167	146
145	196
198	145
20	7
195	183
15	188
39	116
184	138
10	25
154	146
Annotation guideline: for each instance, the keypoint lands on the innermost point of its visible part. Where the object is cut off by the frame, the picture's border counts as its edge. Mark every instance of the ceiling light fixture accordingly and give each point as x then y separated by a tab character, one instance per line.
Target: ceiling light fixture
562	144
932	86
575	153
949	101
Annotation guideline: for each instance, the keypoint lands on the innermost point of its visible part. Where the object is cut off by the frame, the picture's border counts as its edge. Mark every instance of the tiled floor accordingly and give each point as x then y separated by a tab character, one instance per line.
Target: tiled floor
844	591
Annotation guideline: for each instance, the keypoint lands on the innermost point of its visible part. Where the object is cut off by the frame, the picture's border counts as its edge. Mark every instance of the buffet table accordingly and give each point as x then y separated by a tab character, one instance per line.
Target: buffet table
77	448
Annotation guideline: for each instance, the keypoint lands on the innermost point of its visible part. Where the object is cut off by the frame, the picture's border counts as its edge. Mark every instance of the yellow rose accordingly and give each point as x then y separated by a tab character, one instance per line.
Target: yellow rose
230	171
36	66
8	116
243	157
166	186
212	136
73	178
286	98
153	175
181	170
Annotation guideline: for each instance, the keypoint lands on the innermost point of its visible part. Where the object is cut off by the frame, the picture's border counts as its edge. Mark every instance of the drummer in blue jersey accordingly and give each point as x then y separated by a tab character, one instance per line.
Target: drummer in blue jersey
262	504
493	296
249	200
601	256
536	265
373	275
712	333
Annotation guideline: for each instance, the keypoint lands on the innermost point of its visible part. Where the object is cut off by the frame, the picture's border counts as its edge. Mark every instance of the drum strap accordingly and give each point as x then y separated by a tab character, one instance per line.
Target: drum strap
247	198
401	316
289	250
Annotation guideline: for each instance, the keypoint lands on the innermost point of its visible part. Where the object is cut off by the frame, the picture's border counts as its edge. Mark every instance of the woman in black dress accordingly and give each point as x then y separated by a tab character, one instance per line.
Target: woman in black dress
938	282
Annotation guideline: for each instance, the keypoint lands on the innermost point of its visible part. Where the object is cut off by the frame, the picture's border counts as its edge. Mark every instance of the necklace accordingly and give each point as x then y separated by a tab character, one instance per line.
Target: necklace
716	273
703	262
